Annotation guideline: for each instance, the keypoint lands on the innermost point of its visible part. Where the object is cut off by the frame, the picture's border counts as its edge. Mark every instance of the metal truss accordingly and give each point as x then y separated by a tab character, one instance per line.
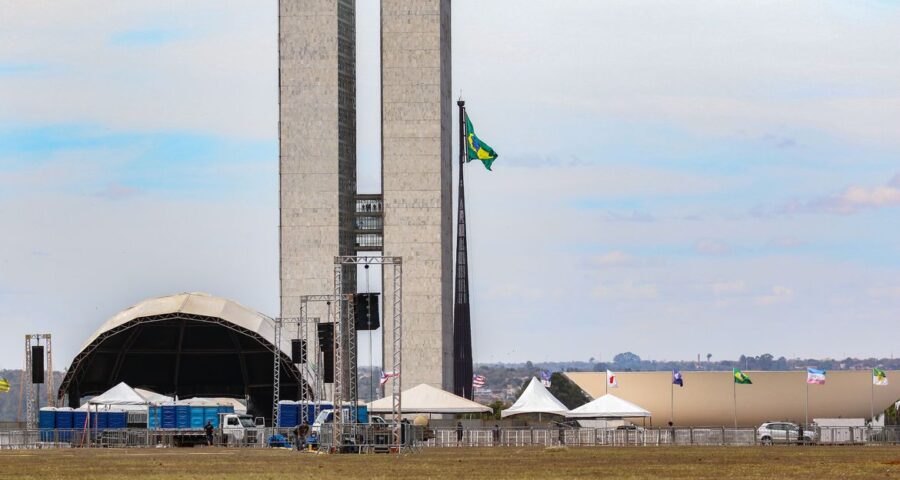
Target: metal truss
30	389
396	338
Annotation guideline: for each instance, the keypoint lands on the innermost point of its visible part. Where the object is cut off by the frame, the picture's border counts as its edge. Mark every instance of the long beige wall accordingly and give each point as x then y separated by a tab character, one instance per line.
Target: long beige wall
416	179
707	398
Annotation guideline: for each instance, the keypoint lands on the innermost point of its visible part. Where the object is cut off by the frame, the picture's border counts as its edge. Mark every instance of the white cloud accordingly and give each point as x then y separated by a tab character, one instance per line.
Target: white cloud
778	294
728	287
710	246
626	291
885	292
614	258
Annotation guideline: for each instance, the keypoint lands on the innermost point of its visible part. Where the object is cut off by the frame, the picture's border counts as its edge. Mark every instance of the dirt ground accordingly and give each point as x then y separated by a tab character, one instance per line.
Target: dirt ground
778	462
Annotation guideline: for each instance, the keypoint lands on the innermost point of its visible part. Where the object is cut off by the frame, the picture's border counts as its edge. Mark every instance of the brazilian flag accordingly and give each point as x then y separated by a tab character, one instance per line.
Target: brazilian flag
741	377
476	149
4	385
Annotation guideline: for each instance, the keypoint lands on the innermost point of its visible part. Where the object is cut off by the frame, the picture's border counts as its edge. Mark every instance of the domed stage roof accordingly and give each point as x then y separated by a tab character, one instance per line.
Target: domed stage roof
189	345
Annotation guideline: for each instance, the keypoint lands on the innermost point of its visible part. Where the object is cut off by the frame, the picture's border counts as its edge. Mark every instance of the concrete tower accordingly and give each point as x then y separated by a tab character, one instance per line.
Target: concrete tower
317	81
416	180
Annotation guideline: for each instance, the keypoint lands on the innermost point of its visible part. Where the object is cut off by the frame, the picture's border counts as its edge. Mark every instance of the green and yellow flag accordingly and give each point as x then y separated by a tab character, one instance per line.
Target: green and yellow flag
879	377
4	385
476	149
741	377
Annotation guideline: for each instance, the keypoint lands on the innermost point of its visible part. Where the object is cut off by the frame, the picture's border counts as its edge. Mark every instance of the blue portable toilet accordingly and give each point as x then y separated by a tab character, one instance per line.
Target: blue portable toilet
79	417
153	417
100	420
197	416
47	418
211	414
116	419
183	416
168	418
64	418
288	414
47	423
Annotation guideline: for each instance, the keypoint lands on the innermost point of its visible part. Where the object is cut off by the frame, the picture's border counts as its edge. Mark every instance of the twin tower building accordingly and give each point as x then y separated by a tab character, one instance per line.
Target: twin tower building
322	215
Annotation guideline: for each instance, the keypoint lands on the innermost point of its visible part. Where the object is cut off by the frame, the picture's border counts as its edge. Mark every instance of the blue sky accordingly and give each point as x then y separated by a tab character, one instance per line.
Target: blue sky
673	180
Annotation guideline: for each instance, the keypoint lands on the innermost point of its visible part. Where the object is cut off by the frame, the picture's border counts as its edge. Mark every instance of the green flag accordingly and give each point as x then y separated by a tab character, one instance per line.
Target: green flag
476	149
741	377
879	377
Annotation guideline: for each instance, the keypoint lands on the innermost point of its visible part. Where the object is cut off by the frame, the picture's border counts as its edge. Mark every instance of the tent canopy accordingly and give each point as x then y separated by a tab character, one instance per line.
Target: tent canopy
536	399
153	397
121	396
608	406
427	399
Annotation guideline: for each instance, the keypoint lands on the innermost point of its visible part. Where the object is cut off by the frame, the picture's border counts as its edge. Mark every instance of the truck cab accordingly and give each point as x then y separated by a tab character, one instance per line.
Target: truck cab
236	428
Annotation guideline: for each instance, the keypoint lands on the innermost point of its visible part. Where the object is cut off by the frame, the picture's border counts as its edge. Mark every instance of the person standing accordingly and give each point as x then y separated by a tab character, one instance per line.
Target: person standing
459	434
209	433
496	434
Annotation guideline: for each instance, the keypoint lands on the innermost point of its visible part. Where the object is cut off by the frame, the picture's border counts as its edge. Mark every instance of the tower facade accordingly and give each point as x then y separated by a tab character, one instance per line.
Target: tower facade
416	180
317	136
321	214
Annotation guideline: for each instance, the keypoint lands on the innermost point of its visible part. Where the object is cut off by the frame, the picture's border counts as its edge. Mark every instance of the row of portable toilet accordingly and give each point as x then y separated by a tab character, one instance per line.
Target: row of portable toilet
184	417
290	412
50	418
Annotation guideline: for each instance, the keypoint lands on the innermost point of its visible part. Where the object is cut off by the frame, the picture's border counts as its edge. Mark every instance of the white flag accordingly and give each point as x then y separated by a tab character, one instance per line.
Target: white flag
611	380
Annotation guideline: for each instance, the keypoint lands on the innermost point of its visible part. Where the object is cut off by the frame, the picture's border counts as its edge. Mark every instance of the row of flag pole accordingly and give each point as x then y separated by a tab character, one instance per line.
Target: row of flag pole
814	376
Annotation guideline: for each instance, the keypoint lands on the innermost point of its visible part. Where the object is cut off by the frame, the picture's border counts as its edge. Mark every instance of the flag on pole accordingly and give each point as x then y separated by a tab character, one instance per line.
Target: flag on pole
4	385
814	376
879	377
676	378
385	376
478	381
545	378
476	149
741	378
611	380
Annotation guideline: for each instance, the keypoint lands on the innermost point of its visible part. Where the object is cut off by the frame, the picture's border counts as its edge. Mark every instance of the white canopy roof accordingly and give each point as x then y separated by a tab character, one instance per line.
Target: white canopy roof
536	399
427	399
153	397
608	406
121	396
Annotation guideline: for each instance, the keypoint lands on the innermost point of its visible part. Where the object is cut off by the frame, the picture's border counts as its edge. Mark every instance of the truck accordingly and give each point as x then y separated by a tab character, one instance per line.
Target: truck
184	425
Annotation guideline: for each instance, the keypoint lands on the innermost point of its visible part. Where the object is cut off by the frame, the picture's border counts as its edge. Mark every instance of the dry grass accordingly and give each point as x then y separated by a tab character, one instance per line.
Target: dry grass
780	462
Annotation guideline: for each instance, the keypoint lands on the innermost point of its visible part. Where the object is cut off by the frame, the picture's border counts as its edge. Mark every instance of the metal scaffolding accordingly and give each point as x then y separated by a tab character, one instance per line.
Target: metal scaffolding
396	336
31	390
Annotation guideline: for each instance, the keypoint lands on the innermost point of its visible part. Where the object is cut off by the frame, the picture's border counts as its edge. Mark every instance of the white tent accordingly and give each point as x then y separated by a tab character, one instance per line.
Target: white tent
608	406
536	399
153	397
120	397
427	399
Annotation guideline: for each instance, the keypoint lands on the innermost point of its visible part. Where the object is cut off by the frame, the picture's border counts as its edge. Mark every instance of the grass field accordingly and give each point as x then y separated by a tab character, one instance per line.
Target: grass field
779	462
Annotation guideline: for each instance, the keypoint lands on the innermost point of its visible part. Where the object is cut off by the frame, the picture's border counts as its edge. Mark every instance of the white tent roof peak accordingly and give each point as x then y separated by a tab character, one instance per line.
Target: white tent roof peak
608	406
425	398
153	397
121	394
536	399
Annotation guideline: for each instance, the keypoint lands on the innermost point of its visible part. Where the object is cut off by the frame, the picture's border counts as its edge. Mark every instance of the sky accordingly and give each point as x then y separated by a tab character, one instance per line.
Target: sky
674	178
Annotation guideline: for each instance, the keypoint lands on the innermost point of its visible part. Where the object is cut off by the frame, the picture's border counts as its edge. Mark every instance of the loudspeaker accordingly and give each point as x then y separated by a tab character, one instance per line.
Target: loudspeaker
37	364
298	351
326	336
366	311
328	367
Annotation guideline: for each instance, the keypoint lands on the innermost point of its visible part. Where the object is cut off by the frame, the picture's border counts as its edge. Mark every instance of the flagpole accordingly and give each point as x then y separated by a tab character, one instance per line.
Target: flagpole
872	399
672	407
806	409
734	393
